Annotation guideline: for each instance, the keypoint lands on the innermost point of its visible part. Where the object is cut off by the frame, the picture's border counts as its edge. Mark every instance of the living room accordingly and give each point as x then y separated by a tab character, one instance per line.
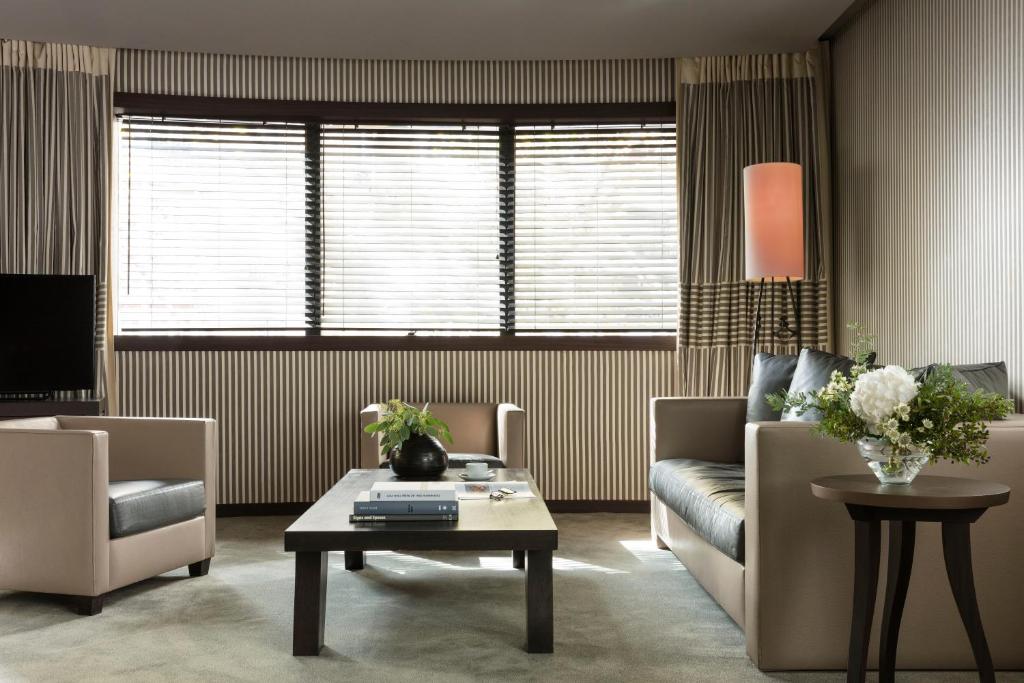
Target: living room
663	340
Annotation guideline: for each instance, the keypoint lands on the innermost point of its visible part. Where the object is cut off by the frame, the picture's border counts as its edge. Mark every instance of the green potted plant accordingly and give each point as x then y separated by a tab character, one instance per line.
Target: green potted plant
901	424
411	438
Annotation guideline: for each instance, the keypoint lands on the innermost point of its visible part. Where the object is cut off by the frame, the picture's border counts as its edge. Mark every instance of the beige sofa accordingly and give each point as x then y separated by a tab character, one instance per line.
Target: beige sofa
792	593
487	432
55	528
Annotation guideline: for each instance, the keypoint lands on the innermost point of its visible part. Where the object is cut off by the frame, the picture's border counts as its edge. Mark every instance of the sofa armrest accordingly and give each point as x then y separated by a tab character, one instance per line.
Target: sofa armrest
511	435
799	554
369	445
160	448
698	428
54	510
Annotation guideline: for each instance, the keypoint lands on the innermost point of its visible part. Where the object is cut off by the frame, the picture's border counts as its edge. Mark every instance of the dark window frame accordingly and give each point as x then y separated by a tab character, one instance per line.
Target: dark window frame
314	115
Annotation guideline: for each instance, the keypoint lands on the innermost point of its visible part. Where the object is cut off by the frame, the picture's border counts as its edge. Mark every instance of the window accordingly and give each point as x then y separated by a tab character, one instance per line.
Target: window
314	227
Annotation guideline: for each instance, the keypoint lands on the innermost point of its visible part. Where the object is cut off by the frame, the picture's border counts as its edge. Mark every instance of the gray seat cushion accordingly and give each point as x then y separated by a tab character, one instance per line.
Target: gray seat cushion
770	375
457	460
708	496
144	504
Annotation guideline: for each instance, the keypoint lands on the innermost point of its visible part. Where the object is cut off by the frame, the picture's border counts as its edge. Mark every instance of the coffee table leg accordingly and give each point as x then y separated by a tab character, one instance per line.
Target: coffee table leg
867	534
901	561
956	547
354	560
310	603
519	559
540	616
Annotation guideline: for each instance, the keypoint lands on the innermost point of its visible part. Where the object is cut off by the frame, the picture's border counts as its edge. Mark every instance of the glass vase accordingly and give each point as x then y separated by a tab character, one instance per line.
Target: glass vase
890	468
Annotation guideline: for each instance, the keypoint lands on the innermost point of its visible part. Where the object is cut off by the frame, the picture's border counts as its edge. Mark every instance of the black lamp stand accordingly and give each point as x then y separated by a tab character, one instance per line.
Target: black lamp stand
783	332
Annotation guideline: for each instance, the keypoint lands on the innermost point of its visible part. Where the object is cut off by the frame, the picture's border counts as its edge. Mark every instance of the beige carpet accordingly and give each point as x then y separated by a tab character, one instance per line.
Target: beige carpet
623	611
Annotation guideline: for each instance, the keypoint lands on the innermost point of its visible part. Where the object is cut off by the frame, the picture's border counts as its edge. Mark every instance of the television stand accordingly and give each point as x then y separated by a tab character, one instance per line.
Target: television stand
19	408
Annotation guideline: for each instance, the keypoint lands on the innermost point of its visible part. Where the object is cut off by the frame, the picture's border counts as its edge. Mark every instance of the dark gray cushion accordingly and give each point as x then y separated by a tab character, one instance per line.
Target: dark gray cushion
143	505
990	377
770	375
708	496
457	460
813	370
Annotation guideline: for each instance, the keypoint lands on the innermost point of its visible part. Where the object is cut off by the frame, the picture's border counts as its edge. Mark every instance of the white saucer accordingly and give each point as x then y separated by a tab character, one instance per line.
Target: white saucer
491	474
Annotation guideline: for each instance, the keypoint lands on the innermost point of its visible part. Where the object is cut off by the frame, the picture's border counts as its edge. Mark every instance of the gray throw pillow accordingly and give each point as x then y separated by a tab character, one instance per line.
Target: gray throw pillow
990	377
813	370
770	375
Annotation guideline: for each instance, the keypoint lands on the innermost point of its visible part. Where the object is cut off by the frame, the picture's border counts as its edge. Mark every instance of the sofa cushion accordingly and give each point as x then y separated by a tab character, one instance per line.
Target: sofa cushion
457	460
31	423
989	377
708	496
770	375
143	505
813	371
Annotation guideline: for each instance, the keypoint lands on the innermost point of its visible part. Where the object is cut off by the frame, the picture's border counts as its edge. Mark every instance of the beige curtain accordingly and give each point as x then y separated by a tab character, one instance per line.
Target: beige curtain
733	112
56	121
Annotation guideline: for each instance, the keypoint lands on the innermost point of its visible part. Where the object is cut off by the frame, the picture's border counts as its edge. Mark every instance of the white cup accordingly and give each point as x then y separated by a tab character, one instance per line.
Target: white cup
476	470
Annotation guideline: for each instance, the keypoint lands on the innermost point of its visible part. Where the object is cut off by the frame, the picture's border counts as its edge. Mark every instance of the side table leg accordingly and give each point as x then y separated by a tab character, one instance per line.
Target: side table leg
539	602
956	548
867	548
901	561
310	603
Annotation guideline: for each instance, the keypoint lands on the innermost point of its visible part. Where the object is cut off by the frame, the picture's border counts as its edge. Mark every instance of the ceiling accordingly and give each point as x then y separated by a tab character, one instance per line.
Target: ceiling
430	29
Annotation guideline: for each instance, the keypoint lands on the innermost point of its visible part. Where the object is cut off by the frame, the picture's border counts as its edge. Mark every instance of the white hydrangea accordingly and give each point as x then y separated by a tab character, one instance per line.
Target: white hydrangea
877	394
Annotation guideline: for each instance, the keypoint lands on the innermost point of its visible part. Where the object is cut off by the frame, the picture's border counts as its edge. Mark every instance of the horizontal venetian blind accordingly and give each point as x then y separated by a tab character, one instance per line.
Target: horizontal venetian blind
410	228
211	226
595	228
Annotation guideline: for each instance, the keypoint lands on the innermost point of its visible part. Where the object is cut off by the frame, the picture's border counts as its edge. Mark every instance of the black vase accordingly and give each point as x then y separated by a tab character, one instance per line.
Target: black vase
420	457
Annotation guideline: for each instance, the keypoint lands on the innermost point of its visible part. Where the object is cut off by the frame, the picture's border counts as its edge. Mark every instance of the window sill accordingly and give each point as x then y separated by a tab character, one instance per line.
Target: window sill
660	342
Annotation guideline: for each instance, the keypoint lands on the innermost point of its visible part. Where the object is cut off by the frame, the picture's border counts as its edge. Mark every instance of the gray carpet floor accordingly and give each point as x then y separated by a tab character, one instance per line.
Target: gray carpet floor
623	611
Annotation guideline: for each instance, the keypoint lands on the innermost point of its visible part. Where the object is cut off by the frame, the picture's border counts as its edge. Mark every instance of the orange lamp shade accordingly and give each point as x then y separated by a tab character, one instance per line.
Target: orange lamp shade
773	210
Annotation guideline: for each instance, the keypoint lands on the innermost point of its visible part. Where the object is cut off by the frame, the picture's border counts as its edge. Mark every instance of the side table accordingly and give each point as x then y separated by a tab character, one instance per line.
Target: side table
955	503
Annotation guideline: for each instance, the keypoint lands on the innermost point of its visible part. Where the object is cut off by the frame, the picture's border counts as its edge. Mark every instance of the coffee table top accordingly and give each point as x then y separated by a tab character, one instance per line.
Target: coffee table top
510	524
924	493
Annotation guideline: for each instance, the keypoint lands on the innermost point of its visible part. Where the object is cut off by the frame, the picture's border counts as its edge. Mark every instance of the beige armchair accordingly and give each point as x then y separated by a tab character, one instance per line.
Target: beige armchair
92	504
496	431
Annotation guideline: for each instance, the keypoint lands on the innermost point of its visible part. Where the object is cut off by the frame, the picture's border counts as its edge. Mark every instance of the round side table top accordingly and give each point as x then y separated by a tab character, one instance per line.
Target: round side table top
925	493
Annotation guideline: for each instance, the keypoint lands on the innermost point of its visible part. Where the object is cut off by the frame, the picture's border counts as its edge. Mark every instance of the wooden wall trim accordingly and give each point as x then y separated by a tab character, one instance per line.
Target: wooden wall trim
366	112
664	342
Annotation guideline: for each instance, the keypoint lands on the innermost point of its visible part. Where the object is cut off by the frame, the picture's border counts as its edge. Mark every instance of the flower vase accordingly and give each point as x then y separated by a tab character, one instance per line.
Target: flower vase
889	467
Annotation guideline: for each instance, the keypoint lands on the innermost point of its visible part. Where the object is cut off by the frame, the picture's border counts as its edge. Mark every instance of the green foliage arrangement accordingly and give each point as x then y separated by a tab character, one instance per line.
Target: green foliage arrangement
399	421
940	416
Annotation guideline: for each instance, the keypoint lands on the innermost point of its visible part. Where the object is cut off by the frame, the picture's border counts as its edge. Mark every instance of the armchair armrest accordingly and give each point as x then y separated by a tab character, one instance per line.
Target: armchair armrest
53	507
698	428
511	435
369	445
161	448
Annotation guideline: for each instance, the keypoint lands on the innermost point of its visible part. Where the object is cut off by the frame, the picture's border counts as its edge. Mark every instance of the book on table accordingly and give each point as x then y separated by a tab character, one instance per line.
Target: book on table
354	518
364	505
413	490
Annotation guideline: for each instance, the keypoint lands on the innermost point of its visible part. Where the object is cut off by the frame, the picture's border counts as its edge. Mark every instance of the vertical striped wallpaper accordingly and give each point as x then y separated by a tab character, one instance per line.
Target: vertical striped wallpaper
372	80
930	180
289	420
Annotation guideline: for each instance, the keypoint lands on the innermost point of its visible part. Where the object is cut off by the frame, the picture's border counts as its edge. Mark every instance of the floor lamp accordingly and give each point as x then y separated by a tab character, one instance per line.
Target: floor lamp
773	212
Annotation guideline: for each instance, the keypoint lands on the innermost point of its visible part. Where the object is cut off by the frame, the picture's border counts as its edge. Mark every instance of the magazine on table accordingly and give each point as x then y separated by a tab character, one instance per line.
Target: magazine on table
483	489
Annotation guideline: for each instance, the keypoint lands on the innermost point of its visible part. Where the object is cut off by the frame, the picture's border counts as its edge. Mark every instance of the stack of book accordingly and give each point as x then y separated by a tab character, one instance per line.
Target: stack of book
406	502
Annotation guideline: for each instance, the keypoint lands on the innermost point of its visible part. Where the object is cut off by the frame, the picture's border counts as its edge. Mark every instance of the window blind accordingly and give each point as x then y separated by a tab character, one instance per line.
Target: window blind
410	228
211	226
595	228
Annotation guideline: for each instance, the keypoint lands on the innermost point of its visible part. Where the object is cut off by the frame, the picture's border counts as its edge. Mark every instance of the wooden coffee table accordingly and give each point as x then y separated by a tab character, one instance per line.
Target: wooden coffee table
523	526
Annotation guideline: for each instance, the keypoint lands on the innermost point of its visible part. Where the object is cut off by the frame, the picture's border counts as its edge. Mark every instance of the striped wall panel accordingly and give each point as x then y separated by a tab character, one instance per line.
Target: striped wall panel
289	420
930	180
367	80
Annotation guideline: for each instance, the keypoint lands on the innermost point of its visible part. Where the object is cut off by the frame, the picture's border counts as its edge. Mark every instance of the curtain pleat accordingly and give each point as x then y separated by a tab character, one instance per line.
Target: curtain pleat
56	120
733	112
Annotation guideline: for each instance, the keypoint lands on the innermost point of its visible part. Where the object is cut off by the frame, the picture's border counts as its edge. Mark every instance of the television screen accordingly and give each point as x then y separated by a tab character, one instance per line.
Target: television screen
47	342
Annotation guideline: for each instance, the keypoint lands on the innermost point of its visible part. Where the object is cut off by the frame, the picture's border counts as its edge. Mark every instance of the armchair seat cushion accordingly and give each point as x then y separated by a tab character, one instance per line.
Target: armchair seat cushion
459	460
708	496
147	504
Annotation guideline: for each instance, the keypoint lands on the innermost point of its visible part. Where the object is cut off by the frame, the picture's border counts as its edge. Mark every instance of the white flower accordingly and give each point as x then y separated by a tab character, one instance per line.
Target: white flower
927	424
877	394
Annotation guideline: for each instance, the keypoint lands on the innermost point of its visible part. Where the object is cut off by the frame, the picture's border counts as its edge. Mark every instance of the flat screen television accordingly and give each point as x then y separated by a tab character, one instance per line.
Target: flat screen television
47	340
